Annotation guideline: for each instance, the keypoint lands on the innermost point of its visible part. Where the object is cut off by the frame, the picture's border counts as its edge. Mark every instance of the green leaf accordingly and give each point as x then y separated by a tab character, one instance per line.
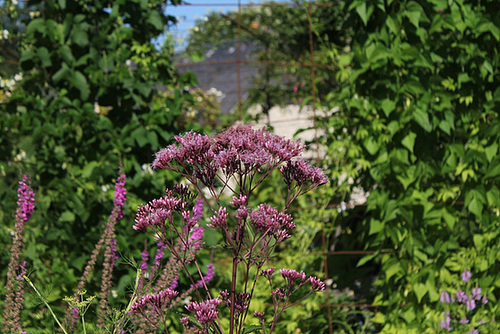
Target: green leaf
61	73
420	291
422	118
140	135
252	329
89	169
36	25
479	241
371	145
476	207
66	54
491	151
26	61
80	82
362	12
376	226
67	216
44	56
79	36
366	258
493	171
409	141
155	20
414	17
391	23
388	106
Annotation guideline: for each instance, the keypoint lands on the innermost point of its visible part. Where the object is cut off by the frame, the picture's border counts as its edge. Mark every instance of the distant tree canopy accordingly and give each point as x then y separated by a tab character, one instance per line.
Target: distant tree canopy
279	34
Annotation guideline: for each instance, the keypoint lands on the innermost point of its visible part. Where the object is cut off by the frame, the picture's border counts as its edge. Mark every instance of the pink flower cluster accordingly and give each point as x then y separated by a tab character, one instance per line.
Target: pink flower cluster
205	312
237	150
267	219
219	219
300	173
291	275
156	212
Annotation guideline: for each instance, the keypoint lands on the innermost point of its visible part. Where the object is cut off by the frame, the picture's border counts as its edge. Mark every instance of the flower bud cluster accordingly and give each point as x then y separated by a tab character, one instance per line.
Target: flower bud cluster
205	312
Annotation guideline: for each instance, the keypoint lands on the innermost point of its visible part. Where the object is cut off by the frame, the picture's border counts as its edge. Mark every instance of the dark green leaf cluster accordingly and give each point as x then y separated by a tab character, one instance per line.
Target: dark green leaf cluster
414	122
96	94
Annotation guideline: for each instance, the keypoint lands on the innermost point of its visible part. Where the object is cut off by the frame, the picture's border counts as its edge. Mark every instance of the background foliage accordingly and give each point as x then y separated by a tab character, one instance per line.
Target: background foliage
415	115
95	95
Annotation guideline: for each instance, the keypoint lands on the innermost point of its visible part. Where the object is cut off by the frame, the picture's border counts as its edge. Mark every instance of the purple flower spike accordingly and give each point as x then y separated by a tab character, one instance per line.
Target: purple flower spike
464	321
445	297
207	278
446	323
471	304
476	293
198	209
466	276
461	296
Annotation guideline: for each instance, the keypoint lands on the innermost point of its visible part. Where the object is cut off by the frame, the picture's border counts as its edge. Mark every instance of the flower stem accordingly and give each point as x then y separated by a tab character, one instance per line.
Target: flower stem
45	302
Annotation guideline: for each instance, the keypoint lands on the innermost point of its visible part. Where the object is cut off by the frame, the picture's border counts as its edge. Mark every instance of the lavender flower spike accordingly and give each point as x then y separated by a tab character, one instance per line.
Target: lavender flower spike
445	297
466	276
12	309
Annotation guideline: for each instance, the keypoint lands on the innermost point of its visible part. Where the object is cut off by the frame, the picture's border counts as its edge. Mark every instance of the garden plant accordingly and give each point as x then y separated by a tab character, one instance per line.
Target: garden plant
234	163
